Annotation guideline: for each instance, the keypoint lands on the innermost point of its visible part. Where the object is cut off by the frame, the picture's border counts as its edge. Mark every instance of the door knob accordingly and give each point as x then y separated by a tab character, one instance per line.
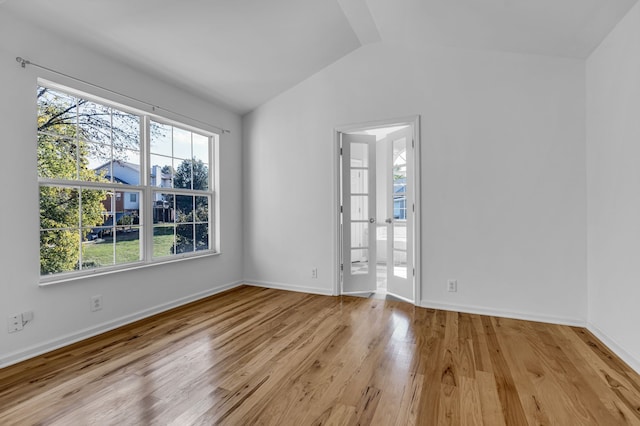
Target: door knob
388	220
372	220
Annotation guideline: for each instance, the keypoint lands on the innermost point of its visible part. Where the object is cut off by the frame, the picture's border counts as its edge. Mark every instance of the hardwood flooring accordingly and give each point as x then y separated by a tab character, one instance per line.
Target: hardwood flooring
258	356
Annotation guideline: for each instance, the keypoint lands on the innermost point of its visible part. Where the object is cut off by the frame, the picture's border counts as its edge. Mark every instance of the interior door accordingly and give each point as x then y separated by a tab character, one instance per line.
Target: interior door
358	213
400	215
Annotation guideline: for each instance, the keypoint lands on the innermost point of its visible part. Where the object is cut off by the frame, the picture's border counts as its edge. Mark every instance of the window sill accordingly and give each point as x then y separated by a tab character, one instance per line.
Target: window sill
63	278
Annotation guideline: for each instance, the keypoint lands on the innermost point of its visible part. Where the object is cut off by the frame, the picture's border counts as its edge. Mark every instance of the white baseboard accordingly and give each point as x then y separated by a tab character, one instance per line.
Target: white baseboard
69	339
53	344
615	347
469	309
290	287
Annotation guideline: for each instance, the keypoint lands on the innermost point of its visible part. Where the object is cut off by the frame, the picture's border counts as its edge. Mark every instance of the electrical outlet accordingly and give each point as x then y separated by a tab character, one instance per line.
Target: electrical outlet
14	323
96	303
452	286
314	273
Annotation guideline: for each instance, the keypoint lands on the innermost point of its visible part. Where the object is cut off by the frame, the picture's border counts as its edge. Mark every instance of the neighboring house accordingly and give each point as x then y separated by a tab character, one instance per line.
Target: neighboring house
127	203
126	173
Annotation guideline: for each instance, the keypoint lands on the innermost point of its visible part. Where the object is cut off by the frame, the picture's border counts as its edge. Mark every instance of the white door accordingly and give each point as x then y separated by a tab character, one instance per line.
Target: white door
358	213
400	215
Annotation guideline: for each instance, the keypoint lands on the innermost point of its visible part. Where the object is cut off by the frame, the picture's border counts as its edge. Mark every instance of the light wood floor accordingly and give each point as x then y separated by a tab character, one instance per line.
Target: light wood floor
258	356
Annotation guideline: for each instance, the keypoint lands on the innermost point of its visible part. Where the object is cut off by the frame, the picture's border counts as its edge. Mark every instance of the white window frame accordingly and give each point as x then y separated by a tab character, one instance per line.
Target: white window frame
144	189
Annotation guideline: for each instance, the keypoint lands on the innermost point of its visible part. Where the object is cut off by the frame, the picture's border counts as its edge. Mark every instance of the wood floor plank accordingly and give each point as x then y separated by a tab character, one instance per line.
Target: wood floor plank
490	405
269	357
610	379
470	407
509	398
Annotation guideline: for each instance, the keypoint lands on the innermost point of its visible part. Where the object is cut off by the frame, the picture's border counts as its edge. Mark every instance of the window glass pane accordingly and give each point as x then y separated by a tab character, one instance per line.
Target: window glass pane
200	148
130	208
202	209
184	239
97	251
57	113
359	155
400	153
202	236
181	144
359	234
161	135
200	175
94	122
400	235
97	159
400	264
184	208
183	176
359	181
108	208
126	167
125	129
399	181
359	261
57	158
93	206
359	207
163	240
59	207
127	244
161	171
400	207
163	208
59	251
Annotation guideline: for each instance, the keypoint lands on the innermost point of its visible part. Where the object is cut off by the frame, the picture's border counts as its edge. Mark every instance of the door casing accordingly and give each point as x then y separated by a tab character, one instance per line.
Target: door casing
414	121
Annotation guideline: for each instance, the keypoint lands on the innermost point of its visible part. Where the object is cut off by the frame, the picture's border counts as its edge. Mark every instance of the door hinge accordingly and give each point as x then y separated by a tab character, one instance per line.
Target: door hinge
414	272
340	151
413	143
413	207
342	266
340	209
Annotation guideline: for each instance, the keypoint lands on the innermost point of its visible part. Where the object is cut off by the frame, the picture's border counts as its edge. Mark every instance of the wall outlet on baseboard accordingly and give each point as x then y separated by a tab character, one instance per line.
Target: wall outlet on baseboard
96	303
452	286
314	273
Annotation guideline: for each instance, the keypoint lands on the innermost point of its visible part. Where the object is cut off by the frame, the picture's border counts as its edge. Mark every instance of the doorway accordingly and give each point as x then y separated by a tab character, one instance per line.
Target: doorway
378	175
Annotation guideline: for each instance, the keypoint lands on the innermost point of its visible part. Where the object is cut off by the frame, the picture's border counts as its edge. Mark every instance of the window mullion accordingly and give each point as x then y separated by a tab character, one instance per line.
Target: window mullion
147	192
79	231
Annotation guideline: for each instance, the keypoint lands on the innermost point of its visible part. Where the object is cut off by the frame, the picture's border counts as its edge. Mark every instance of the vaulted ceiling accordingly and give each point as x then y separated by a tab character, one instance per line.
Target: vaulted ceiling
244	52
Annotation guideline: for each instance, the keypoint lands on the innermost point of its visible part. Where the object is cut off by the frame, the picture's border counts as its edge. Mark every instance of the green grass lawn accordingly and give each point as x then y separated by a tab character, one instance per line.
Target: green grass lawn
127	249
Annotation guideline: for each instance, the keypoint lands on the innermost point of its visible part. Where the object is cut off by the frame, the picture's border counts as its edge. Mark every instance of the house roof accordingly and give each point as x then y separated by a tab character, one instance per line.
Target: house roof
114	173
132	166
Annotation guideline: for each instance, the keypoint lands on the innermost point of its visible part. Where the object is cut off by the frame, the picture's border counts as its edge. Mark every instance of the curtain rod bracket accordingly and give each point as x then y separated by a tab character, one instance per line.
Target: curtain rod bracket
23	62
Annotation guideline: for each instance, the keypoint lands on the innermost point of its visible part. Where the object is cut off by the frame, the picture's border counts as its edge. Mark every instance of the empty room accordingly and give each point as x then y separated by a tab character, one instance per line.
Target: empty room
305	212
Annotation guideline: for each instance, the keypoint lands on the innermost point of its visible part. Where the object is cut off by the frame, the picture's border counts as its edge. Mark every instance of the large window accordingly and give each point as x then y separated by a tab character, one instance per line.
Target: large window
118	187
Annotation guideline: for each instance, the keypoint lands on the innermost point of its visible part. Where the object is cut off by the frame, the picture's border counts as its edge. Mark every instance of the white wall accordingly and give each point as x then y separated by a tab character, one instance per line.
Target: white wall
613	153
62	310
503	175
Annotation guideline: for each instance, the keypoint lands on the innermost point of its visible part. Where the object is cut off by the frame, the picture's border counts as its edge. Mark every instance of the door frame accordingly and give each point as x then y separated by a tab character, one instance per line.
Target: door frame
337	188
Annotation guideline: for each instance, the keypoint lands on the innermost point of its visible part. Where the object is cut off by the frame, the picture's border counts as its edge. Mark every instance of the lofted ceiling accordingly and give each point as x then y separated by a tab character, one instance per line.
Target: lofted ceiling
243	52
572	28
